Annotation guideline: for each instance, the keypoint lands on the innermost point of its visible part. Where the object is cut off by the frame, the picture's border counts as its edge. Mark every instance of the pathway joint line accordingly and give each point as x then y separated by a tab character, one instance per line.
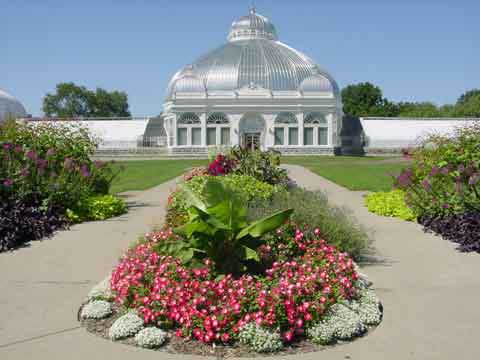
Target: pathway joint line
38	337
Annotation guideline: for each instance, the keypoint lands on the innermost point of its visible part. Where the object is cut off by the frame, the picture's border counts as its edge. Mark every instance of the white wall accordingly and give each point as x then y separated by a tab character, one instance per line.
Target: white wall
114	134
401	133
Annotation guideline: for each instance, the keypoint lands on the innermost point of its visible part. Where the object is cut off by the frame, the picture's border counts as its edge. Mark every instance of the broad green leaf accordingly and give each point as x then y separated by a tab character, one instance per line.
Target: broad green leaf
250	254
186	255
193	199
269	223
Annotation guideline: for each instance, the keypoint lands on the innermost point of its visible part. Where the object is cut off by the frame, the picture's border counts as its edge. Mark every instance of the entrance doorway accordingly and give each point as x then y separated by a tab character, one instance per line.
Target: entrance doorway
252	131
251	141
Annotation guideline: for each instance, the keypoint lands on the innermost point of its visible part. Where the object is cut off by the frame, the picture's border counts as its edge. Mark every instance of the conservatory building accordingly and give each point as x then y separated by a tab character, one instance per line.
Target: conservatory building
256	92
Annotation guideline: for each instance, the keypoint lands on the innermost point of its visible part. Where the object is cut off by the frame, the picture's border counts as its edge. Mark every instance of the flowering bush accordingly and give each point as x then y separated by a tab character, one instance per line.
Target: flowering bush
391	203
445	174
289	296
47	167
222	165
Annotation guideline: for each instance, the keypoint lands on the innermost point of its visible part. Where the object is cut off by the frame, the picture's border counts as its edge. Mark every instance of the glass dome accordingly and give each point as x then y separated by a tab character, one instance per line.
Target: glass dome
253	57
9	106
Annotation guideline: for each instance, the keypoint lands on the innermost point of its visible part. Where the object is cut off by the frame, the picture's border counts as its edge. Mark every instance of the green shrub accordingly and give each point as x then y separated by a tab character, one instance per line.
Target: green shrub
98	207
262	165
391	203
312	210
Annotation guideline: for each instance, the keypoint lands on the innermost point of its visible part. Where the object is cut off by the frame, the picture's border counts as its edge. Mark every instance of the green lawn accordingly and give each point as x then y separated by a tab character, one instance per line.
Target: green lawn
354	173
144	174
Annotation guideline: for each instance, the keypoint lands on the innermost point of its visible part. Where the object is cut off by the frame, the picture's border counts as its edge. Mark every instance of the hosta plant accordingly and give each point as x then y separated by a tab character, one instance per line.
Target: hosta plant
218	229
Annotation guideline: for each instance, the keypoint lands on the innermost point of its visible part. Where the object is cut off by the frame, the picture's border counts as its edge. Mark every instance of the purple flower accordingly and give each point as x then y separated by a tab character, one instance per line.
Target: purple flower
50	152
24	172
426	184
474	179
18	149
461	168
445	206
435	170
85	171
8	182
32	155
7	146
42	163
405	178
445	170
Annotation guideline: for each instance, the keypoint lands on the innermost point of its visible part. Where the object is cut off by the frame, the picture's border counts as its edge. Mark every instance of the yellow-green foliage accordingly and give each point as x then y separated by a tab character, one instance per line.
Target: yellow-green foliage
391	203
99	207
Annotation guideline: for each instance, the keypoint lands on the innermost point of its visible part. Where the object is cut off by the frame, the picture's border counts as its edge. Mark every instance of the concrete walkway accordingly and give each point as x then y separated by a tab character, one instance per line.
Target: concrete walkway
430	292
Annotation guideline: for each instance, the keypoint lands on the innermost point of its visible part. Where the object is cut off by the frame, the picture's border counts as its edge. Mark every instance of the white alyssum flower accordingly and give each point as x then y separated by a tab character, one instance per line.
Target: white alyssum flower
101	290
96	309
340	323
369	308
260	339
151	337
125	326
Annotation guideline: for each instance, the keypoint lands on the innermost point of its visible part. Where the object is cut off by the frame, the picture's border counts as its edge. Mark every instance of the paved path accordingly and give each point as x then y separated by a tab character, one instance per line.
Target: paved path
430	292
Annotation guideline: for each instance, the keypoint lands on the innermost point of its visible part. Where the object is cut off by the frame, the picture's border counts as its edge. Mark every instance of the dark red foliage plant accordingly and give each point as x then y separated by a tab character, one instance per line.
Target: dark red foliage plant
222	165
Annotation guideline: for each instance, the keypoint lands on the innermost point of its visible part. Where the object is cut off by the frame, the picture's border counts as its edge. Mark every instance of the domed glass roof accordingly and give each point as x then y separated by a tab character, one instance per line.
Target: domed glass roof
253	57
10	106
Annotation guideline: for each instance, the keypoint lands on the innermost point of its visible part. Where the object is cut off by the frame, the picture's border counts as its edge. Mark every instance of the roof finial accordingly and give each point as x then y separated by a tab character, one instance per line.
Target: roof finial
252	7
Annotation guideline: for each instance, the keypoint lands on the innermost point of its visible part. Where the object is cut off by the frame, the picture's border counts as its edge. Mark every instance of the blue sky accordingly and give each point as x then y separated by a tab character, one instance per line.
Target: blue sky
415	50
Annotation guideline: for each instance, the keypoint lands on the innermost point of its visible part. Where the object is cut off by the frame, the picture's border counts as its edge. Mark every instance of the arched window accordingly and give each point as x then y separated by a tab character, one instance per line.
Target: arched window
286	129
315	129
189	131
189	118
218	129
217	118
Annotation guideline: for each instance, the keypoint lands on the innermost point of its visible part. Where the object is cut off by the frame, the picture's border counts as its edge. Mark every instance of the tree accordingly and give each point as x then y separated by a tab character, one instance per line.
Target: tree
366	99
464	98
71	100
421	109
468	108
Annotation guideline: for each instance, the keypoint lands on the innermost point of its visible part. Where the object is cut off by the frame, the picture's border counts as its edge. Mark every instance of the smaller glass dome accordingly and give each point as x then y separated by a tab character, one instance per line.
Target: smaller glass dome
316	83
9	106
252	26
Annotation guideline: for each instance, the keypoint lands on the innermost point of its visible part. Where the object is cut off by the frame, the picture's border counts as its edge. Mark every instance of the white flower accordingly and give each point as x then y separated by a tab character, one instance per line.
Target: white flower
260	339
97	309
125	326
102	289
150	337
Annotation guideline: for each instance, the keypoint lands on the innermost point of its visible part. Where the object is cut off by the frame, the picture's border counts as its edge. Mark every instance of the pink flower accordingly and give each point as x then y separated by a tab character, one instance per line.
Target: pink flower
32	155
7	182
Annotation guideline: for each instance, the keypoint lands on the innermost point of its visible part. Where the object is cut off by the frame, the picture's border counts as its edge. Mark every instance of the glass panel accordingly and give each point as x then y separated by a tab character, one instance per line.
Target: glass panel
181	136
225	136
308	136
196	136
279	133
211	136
292	136
322	136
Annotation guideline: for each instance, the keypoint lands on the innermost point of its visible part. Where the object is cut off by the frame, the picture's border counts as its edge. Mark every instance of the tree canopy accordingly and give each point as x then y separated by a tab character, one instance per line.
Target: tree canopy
366	99
70	100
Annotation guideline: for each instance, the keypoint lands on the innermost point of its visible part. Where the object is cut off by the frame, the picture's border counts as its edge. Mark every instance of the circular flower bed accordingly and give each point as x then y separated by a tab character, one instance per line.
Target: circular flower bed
309	292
